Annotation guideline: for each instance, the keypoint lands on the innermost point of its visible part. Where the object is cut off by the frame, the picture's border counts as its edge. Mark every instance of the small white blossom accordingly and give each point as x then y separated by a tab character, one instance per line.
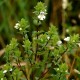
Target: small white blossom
59	43
48	37
64	4
10	69
20	29
41	16
4	71
67	39
17	26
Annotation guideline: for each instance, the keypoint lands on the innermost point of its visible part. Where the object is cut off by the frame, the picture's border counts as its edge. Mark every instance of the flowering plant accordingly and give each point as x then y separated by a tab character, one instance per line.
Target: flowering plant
41	58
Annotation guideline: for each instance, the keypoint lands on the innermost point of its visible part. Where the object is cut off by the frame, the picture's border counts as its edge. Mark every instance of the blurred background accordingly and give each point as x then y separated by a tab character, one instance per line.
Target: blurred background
65	14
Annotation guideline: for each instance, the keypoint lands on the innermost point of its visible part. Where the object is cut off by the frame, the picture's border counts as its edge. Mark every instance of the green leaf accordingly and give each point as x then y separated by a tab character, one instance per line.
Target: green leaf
56	52
27	44
52	30
17	53
9	50
13	44
63	67
42	39
39	7
75	38
1	74
61	49
23	24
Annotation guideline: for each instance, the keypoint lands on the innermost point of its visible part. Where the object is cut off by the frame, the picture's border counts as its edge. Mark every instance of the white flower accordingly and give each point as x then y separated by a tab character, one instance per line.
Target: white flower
48	37
17	26
59	43
20	29
41	16
4	71
64	4
67	39
10	69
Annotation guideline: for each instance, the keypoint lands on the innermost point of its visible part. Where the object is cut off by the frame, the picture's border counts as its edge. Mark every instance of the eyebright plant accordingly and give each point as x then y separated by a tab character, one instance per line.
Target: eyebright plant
41	58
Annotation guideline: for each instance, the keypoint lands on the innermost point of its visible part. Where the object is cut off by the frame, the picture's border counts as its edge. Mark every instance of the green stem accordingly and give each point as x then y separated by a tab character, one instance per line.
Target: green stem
19	65
36	45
